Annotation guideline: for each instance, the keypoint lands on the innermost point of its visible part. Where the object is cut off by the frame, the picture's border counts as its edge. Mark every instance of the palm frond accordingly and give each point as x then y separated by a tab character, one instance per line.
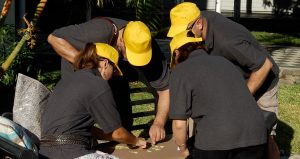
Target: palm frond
100	3
149	12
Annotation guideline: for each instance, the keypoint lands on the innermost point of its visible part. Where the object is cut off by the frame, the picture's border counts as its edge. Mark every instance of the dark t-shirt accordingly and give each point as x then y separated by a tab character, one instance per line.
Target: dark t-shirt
100	30
76	103
211	90
234	42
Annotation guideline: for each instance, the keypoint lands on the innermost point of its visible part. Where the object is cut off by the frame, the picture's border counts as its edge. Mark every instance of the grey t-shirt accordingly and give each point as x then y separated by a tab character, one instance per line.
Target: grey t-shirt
156	73
77	102
233	41
211	90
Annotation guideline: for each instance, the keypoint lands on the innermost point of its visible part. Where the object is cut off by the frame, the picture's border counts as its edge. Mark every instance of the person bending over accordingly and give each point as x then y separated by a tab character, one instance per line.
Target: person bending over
140	59
81	100
209	89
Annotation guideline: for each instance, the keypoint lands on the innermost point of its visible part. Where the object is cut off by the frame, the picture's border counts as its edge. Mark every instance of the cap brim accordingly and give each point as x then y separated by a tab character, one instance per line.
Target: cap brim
140	59
119	73
176	29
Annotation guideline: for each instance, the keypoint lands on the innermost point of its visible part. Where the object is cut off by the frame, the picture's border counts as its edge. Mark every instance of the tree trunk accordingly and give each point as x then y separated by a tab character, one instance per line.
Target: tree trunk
25	37
237	10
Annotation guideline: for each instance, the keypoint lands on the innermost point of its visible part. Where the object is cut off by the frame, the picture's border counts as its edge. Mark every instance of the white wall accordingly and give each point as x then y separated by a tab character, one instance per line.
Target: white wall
227	6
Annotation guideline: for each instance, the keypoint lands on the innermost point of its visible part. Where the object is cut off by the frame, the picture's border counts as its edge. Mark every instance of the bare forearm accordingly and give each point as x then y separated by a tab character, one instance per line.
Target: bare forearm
123	136
180	133
63	48
100	135
120	135
162	107
258	77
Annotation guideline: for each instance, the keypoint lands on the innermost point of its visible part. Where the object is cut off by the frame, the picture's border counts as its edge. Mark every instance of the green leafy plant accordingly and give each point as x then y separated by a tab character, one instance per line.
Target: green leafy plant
22	63
147	11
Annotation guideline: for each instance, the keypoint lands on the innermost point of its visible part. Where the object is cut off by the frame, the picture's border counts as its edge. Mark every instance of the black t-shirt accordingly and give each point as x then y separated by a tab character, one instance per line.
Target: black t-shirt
211	90
77	102
234	42
100	30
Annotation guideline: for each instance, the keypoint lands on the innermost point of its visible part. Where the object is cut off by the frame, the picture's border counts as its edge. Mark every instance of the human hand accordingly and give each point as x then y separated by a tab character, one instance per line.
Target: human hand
185	153
157	133
141	143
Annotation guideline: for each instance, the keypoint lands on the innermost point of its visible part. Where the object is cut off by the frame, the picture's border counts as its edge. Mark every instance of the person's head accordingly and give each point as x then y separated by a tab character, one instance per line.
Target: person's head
99	56
186	16
136	39
182	45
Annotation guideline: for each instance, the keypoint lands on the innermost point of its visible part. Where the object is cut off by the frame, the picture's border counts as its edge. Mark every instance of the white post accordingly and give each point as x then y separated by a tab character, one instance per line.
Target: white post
218	6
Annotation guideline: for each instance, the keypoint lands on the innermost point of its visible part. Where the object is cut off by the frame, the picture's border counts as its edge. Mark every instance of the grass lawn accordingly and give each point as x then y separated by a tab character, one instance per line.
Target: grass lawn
288	131
266	38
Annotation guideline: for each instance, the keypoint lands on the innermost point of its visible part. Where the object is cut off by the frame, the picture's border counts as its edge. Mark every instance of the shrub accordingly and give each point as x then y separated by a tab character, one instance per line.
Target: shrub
22	63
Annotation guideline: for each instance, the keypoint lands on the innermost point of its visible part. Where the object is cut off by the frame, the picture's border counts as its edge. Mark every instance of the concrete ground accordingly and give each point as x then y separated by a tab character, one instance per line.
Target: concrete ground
288	60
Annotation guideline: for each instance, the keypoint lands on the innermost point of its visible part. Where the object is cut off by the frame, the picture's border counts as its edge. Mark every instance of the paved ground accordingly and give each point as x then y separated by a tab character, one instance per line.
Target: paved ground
288	59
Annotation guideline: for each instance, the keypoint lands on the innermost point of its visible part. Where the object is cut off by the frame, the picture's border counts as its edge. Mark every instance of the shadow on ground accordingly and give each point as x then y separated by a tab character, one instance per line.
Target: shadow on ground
284	137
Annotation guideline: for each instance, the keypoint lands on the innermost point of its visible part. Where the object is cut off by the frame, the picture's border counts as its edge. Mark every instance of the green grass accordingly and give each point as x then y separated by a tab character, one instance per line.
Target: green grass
49	79
266	38
288	131
141	108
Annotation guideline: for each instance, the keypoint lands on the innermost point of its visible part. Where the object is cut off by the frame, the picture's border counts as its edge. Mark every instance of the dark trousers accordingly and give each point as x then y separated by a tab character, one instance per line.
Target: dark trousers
252	152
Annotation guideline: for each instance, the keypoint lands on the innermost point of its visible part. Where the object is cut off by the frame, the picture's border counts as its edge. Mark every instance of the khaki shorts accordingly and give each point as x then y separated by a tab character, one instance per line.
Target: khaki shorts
269	102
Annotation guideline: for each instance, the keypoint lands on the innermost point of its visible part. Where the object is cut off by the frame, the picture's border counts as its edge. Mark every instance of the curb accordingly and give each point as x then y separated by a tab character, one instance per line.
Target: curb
289	75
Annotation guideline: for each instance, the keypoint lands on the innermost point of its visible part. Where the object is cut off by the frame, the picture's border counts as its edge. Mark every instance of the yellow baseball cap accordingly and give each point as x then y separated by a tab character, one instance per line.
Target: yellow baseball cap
137	39
107	51
181	15
180	40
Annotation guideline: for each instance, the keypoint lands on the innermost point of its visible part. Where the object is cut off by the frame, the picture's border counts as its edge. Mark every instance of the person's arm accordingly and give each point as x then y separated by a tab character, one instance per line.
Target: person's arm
157	131
179	128
63	48
258	77
120	135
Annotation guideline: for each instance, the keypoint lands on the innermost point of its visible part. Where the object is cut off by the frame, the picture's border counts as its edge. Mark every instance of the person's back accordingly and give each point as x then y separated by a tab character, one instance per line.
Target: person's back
70	111
225	113
233	41
70	98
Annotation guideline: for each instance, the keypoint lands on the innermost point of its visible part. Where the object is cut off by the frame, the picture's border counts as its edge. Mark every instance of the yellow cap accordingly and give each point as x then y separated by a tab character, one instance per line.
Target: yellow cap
180	40
107	51
181	15
137	38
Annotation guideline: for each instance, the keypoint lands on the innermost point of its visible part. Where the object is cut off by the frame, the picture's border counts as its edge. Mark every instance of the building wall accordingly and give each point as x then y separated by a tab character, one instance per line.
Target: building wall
268	7
10	19
257	6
